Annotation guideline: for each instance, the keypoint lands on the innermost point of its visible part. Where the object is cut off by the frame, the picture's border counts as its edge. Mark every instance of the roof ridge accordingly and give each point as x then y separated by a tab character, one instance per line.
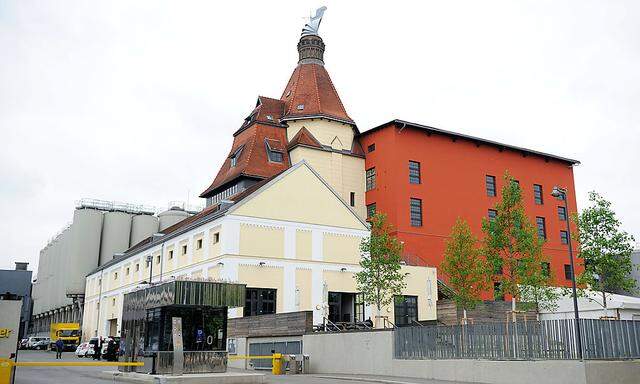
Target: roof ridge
315	82
337	96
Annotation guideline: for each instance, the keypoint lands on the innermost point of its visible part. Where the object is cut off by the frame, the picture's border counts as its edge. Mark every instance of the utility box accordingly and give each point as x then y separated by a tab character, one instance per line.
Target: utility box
304	363
293	364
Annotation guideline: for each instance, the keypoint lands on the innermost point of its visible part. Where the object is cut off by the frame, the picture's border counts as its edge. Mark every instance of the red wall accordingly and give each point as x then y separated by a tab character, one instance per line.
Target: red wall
453	185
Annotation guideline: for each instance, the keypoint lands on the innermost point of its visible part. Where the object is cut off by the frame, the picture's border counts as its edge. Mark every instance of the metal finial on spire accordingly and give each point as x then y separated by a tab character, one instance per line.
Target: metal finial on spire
311	28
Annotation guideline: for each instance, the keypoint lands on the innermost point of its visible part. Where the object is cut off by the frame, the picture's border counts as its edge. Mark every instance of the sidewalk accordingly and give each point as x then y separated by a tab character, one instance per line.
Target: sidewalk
383	379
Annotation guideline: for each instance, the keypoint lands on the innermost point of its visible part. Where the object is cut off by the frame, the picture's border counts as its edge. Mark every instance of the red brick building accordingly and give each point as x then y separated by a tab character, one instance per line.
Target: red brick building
440	176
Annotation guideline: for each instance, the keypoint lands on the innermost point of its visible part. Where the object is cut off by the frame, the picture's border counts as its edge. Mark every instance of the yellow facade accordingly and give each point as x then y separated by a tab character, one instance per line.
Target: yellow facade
341	248
261	240
264	277
290	198
303	244
303	290
344	173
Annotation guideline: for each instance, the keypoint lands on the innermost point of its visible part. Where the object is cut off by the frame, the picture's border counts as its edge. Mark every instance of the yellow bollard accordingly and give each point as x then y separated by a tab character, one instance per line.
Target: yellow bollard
277	364
5	371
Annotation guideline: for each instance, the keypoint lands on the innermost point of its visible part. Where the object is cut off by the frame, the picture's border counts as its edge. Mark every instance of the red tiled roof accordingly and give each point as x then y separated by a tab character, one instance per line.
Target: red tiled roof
304	137
311	87
253	160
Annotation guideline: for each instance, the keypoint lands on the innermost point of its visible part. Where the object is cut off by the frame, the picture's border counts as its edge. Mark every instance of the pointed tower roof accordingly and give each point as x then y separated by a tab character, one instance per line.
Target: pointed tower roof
310	91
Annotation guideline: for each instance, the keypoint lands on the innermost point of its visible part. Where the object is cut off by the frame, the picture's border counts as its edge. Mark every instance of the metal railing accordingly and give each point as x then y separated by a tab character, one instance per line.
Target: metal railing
538	340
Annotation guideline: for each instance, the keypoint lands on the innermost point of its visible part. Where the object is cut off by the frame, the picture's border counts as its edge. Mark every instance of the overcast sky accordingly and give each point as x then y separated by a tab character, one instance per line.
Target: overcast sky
136	101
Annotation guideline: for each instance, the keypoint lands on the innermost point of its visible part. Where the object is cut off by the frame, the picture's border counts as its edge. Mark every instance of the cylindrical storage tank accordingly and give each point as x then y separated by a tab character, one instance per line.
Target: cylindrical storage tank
171	216
116	229
142	226
66	269
84	247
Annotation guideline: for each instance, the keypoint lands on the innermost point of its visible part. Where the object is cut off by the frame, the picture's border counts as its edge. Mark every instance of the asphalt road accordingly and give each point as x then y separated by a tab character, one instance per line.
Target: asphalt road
90	375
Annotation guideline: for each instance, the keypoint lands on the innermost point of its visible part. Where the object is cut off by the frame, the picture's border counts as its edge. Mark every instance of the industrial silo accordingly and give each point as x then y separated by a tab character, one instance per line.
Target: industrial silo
84	247
142	226
116	229
172	216
66	266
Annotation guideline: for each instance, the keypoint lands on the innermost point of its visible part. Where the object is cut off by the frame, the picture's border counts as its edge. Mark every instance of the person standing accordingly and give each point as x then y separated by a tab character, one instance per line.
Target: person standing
59	348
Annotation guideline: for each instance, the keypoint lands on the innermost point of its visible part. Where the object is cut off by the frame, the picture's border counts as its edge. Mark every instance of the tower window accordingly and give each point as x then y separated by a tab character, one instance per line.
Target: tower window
414	172
490	183
537	193
371	210
415	212
234	157
371	148
371	179
269	117
274	156
542	230
300	107
562	214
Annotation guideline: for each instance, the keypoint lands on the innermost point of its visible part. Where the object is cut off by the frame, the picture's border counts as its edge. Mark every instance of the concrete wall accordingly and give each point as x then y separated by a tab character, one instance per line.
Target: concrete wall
371	353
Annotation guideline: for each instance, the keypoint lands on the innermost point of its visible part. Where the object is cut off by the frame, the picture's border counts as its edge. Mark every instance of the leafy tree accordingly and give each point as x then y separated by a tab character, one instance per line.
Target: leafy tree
380	278
468	272
604	248
513	249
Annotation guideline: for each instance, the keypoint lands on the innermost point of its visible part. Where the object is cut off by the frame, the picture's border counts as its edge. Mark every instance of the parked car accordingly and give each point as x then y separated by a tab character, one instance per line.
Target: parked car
23	343
42	344
35	342
84	350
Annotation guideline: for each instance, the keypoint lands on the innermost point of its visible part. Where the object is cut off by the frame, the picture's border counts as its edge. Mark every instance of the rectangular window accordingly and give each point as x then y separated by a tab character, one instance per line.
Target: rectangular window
414	172
274	156
115	276
158	259
371	210
564	237
415	212
352	199
371	148
542	230
546	269
137	267
492	213
260	301
199	244
567	271
171	254
537	194
405	310
127	271
113	302
184	249
562	214
216	237
497	291
490	182
371	179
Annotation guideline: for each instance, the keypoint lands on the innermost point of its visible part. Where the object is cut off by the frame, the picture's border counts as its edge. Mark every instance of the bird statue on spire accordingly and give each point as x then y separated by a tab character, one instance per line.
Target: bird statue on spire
311	28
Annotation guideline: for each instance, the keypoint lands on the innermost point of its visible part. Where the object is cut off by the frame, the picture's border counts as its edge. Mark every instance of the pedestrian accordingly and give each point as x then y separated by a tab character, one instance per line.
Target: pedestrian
59	348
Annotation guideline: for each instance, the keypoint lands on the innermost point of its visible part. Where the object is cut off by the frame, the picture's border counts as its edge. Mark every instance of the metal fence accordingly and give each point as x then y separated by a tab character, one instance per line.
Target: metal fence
539	340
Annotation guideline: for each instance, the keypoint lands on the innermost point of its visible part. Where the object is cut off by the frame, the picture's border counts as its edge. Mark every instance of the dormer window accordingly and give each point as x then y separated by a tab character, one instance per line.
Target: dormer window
300	107
235	156
269	117
275	156
249	119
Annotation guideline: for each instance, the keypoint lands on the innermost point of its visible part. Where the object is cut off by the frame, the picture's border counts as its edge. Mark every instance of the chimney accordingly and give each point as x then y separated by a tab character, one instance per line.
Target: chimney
21	266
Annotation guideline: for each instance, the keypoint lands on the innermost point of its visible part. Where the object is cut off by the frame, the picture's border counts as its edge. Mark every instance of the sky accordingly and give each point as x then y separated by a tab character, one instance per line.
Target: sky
136	101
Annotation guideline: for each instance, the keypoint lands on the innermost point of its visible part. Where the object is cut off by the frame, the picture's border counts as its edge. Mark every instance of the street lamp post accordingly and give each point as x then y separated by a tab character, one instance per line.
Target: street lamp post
561	193
150	261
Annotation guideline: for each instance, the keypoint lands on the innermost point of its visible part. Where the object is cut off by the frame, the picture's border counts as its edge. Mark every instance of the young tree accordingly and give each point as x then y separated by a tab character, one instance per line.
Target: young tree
468	272
604	248
513	249
381	277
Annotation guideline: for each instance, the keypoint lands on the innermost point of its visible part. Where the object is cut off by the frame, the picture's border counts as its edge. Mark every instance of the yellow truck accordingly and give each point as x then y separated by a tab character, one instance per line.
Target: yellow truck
69	333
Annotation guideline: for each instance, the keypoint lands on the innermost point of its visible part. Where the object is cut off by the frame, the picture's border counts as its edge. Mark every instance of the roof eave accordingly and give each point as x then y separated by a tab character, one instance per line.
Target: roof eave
405	123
